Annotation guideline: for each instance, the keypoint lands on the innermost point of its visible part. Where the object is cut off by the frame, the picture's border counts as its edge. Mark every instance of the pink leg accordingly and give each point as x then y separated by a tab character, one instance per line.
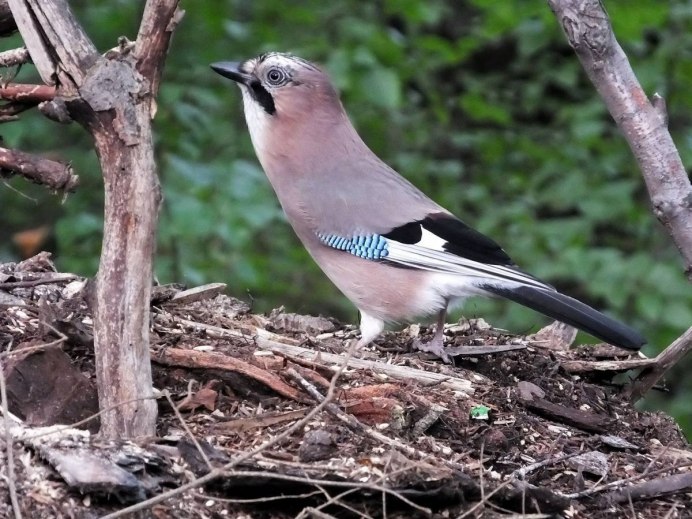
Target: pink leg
436	344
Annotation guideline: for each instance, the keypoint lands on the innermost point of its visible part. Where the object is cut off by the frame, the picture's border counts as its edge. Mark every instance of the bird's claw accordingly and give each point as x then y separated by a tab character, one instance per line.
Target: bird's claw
435	346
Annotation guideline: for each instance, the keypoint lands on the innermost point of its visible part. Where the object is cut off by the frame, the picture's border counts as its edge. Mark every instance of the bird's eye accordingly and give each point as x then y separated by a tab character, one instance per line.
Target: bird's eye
276	76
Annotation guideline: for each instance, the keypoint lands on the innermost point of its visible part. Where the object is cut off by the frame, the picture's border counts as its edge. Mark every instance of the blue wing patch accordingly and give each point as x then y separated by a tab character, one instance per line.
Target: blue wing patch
371	247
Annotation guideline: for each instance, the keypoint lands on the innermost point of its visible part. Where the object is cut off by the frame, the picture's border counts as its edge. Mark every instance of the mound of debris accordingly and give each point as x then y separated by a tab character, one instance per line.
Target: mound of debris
253	421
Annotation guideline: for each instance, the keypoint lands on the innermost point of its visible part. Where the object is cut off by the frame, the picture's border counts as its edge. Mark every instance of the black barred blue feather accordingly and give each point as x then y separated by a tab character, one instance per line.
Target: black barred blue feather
371	247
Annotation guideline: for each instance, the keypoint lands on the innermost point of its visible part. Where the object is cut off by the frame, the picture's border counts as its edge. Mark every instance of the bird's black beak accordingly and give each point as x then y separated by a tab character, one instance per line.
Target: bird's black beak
231	70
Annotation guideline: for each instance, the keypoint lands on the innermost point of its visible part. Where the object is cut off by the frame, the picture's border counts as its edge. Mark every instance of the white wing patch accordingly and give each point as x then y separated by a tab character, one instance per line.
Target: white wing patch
432	241
428	254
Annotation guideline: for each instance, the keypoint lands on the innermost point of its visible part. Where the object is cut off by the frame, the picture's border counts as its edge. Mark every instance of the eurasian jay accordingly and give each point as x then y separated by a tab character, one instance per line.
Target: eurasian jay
389	248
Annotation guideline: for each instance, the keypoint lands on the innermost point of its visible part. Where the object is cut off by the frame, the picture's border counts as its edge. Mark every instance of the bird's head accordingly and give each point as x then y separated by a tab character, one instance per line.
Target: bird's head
281	91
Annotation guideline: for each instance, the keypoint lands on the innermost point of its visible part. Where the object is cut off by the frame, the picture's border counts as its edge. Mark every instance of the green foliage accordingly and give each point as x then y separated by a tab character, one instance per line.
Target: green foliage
481	104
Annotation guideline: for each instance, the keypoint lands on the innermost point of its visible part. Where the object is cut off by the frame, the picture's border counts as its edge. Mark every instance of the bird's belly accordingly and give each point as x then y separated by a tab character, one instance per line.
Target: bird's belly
390	293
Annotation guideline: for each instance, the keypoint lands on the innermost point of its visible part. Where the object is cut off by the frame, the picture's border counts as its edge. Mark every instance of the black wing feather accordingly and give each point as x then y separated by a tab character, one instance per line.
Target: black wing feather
462	240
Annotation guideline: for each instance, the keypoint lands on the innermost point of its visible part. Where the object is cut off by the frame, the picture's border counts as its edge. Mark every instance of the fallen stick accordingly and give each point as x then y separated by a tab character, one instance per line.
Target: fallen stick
268	341
219	361
654	488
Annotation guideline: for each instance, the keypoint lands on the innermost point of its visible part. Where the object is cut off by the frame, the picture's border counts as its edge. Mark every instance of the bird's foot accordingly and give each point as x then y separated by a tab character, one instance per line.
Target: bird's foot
435	346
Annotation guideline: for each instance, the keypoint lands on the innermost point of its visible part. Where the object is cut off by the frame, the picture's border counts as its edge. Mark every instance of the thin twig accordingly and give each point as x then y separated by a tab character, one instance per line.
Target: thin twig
326	482
58	278
351	421
29	94
9	445
336	499
257	500
521	473
180	418
319	515
615	484
482	502
33	349
663	362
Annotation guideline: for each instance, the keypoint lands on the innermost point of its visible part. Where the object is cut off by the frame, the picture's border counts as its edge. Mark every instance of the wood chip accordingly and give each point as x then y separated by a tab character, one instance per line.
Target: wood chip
310	324
593	462
528	390
616	442
88	472
45	388
583	420
555	336
256	422
209	291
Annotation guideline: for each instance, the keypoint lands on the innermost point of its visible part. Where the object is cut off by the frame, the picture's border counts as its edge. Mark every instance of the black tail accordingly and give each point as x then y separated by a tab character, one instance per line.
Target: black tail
572	312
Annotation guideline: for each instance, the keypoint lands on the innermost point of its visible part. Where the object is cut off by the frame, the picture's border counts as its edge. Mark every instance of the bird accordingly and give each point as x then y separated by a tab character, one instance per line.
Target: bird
391	250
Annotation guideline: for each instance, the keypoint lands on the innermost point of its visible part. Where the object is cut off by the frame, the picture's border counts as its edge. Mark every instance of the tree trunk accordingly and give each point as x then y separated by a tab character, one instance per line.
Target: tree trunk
113	97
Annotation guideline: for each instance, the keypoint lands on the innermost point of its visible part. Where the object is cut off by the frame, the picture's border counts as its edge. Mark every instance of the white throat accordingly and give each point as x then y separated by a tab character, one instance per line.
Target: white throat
257	121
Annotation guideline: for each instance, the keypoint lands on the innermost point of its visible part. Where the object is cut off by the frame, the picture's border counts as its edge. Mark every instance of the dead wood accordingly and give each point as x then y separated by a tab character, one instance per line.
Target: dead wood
283	346
654	488
208	291
42	279
44	388
660	366
7	24
584	420
613	366
219	361
266	420
14	57
40	170
28	94
556	336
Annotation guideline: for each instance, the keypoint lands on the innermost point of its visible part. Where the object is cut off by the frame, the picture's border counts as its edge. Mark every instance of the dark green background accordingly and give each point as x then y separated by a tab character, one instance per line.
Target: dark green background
481	104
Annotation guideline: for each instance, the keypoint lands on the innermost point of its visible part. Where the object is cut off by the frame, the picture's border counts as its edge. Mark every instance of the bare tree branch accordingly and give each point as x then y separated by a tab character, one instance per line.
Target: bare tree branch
40	170
33	94
158	23
21	98
589	32
45	24
14	57
662	363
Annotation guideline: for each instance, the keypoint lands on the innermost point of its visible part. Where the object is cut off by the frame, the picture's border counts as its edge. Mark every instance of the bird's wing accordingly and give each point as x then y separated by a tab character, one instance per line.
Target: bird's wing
438	243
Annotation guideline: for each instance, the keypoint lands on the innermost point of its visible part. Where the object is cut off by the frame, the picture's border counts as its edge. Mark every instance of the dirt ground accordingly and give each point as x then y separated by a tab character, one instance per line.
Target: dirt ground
515	427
